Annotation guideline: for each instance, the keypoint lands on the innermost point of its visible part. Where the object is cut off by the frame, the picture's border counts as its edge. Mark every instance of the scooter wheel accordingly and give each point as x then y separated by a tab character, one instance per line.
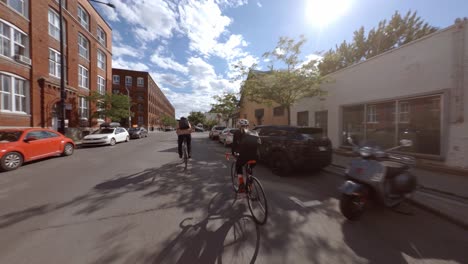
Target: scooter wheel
352	206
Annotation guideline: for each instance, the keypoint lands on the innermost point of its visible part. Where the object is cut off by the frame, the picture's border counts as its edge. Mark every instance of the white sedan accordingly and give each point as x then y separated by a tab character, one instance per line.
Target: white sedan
227	135
107	136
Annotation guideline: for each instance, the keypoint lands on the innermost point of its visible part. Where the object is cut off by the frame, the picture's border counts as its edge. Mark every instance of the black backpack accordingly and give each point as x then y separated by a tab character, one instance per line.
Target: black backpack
184	123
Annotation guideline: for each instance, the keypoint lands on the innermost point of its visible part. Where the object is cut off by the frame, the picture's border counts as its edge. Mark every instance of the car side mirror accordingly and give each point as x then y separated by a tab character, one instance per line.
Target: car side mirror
406	142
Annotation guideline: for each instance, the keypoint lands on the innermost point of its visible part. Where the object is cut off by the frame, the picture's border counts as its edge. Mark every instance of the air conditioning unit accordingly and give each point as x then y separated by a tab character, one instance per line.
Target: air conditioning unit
23	59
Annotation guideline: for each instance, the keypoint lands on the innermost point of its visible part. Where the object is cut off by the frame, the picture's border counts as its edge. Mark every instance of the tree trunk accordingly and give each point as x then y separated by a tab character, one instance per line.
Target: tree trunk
289	114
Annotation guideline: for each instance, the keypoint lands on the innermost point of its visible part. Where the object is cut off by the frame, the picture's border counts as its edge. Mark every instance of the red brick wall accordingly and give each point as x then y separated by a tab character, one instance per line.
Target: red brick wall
44	94
155	103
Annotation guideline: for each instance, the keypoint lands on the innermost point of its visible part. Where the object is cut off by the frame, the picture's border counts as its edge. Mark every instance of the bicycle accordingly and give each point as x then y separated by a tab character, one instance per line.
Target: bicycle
253	188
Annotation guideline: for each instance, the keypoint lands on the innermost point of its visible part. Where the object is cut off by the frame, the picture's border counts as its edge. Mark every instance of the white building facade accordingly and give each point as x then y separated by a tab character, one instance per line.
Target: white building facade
418	91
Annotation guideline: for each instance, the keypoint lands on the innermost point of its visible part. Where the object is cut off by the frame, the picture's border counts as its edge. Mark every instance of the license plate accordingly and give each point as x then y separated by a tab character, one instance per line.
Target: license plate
322	148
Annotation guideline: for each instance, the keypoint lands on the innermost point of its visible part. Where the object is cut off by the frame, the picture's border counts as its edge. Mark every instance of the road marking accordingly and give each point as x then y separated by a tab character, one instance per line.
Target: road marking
307	204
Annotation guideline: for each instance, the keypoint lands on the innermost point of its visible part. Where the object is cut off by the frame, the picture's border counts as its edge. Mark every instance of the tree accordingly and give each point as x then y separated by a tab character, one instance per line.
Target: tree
113	106
196	118
168	121
283	86
226	105
398	31
210	123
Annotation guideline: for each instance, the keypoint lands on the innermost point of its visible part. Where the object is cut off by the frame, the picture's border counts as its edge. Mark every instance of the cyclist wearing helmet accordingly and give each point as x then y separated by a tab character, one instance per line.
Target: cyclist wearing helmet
245	143
184	130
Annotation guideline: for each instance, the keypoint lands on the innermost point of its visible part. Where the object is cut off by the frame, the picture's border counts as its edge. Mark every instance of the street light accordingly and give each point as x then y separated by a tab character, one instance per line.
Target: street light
63	93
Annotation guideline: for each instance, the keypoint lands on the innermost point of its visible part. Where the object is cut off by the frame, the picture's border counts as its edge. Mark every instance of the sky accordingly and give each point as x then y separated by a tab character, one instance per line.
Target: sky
190	46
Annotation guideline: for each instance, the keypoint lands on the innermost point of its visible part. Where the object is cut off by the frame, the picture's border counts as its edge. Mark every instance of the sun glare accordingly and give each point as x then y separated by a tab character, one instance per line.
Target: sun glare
320	13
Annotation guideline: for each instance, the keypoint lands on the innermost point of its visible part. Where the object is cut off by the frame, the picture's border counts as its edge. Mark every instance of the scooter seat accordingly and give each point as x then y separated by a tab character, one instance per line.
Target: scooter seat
394	168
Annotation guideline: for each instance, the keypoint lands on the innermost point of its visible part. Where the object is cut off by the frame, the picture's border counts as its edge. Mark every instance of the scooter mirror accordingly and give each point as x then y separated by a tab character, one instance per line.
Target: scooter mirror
406	142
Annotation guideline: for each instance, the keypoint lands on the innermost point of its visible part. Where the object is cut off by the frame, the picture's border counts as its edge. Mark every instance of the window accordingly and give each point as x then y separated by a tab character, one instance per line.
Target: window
83	77
116	79
321	120
54	24
13	41
140	108
371	114
101	60
83	17
115	91
140	120
128	80
54	63
101	82
140	82
419	119
140	97
303	118
14	94
20	6
278	111
64	3
101	35
404	112
83	107
83	45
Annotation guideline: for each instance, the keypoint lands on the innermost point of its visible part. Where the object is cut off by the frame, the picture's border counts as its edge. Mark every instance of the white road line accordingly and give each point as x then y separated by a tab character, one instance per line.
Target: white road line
307	204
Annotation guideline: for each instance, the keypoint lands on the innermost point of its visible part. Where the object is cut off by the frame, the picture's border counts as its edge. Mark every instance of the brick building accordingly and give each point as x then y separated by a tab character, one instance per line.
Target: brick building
30	62
149	104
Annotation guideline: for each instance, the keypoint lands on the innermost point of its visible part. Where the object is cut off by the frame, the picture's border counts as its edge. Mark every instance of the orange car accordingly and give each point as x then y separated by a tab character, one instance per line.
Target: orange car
23	145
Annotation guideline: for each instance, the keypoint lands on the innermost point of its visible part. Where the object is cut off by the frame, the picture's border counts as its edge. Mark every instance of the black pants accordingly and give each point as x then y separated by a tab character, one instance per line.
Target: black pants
241	161
189	143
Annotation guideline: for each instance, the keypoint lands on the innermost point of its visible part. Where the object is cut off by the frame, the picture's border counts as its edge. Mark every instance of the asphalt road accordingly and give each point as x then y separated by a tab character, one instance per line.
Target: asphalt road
134	203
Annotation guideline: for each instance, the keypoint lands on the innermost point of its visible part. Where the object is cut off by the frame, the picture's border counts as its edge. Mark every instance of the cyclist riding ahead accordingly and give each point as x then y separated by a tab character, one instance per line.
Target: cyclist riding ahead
245	143
184	130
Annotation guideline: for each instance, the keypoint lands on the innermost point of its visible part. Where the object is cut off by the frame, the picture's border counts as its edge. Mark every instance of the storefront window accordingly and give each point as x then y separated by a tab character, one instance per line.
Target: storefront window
381	127
353	123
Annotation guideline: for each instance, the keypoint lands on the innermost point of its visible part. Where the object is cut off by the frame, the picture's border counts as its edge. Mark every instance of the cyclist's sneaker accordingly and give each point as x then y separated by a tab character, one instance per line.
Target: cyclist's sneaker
241	188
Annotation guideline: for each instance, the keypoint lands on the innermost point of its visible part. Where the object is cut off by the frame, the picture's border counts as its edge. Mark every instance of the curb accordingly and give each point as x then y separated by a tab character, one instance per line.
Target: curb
339	170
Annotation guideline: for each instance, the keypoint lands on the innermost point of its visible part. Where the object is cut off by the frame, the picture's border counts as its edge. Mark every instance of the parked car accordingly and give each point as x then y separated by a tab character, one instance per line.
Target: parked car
226	136
286	148
214	133
22	145
138	132
106	136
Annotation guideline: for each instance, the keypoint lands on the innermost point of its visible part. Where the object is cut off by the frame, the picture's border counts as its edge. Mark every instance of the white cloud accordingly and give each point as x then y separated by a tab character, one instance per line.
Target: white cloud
125	50
259	4
170	79
150	19
123	64
232	3
167	63
312	57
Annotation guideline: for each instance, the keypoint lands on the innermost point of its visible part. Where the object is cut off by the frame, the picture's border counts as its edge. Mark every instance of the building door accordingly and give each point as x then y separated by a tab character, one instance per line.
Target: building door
303	118
321	120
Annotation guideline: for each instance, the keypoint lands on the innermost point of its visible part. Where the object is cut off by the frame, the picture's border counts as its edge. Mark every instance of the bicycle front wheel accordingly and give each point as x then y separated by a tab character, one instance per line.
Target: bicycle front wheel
185	155
257	201
235	181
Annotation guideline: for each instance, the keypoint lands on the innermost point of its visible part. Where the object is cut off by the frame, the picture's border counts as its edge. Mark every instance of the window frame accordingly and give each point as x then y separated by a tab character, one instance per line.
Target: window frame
101	59
101	87
82	38
55	24
83	107
101	39
11	39
12	94
406	113
128	78
81	11
371	116
81	76
278	111
114	78
24	7
57	63
142	83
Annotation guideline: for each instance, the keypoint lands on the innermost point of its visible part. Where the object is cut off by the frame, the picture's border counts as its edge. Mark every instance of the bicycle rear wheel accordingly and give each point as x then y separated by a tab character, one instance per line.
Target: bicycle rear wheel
257	201
235	181
185	154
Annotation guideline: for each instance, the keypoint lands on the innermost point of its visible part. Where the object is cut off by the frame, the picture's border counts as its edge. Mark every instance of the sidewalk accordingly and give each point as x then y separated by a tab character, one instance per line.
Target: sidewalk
440	192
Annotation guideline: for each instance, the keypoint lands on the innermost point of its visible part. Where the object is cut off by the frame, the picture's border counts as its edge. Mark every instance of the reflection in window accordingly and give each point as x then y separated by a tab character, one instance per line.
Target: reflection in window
353	120
383	131
404	112
371	114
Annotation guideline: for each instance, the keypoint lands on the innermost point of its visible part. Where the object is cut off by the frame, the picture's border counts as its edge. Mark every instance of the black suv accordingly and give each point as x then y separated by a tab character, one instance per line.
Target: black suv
288	147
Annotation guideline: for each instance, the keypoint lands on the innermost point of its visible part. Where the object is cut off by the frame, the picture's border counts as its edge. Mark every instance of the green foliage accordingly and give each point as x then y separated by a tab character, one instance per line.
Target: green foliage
226	105
398	31
113	106
168	121
210	123
196	118
282	86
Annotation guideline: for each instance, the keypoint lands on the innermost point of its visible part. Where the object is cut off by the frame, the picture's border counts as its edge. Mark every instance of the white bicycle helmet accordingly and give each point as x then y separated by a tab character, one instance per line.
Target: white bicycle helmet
243	122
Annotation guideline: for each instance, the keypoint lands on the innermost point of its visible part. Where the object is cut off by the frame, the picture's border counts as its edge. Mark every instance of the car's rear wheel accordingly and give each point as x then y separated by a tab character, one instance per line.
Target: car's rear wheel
112	142
68	149
11	161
